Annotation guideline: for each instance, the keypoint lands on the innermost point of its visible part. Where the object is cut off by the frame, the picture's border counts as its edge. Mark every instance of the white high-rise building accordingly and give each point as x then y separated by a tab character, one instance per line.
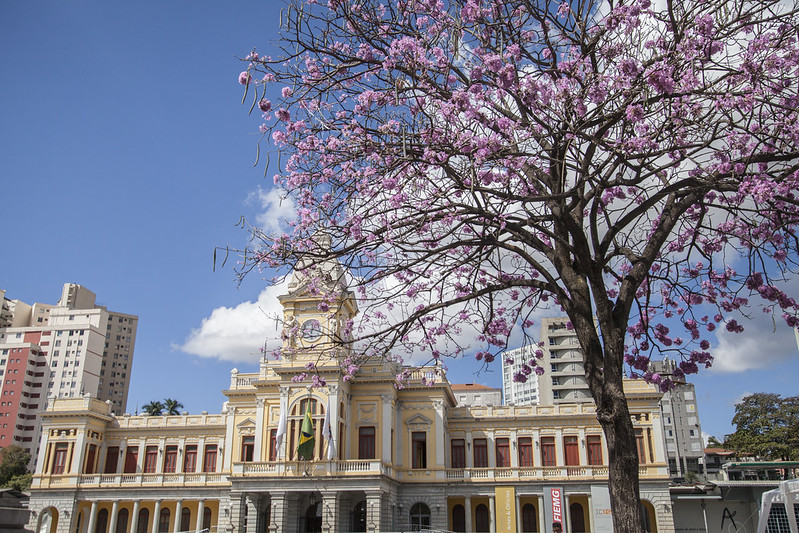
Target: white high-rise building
515	392
564	379
68	350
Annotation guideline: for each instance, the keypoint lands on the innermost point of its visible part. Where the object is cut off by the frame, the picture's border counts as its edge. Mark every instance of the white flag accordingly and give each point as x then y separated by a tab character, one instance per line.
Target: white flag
281	429
327	432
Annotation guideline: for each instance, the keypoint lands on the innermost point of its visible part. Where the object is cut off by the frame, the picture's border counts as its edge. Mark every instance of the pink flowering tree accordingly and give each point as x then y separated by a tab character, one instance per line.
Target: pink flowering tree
631	164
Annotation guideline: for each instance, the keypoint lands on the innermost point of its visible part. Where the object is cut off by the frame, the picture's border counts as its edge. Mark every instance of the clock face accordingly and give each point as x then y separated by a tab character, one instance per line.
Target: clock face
311	330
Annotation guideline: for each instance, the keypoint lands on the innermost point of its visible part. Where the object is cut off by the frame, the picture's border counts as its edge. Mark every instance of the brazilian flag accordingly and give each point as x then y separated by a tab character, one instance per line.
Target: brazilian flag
305	446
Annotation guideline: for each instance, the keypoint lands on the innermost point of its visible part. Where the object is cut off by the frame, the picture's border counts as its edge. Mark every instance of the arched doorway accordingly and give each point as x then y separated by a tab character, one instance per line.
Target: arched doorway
648	518
358	517
482	518
529	518
458	518
207	518
419	517
313	518
122	521
102	521
577	518
163	521
48	520
143	523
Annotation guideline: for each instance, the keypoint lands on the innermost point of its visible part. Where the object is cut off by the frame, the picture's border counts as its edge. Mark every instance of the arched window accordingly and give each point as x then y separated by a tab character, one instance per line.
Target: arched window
122	521
298	411
143	525
482	518
577	518
419	517
529	518
207	518
163	521
102	521
359	516
458	518
185	519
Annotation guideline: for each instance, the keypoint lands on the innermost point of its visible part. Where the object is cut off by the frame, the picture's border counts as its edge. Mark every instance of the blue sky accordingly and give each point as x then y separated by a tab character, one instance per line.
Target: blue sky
126	157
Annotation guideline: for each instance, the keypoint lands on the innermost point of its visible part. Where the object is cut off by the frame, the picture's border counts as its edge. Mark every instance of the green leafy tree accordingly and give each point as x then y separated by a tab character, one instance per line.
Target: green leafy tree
172	406
154	408
13	463
713	442
766	425
20	483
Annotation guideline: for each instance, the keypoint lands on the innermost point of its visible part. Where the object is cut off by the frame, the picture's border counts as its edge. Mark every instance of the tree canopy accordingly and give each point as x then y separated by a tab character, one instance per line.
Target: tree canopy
476	163
153	408
169	406
172	406
767	426
14	468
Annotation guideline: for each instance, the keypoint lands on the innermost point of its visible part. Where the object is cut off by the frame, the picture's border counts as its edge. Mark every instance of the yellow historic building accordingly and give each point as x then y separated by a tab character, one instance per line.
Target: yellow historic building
384	458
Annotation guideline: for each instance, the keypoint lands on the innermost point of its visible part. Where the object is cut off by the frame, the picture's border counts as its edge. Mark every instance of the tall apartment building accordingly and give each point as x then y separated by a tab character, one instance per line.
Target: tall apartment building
682	431
515	392
564	380
71	349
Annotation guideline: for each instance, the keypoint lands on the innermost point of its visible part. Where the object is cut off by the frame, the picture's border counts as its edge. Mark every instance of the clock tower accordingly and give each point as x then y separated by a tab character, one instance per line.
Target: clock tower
317	313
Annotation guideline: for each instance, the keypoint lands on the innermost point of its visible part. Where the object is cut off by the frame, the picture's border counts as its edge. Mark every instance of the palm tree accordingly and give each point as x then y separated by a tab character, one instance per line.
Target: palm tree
172	406
154	408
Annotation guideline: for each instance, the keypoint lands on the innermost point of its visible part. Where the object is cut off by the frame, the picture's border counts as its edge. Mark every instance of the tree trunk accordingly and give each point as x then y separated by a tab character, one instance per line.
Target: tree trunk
604	359
623	462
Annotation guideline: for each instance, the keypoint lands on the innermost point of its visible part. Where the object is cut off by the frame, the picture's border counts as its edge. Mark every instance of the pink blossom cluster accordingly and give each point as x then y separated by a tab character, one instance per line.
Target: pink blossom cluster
476	160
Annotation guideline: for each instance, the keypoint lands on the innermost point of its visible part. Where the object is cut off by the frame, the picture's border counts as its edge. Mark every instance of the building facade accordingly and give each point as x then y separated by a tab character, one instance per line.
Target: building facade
65	350
376	456
682	430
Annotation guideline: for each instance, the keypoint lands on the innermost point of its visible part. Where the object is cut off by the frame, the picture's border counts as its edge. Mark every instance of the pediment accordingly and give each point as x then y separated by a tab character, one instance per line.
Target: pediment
247	422
418	421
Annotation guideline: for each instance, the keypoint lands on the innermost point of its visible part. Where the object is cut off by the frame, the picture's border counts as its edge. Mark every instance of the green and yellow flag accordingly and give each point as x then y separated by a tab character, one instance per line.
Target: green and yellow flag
305	446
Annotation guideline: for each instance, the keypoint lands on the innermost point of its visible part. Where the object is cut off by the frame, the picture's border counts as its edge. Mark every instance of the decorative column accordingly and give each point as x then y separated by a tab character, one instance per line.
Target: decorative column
259	429
582	446
237	516
373	511
112	526
333	405
44	448
156	516
228	449
398	433
284	409
440	436
386	425
178	510
251	501
134	519
93	518
278	517
198	526
468	504
492	512
541	519
330	512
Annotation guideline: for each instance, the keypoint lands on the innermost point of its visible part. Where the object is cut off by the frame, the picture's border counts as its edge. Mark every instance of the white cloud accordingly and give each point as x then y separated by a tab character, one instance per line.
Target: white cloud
238	333
763	343
275	209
